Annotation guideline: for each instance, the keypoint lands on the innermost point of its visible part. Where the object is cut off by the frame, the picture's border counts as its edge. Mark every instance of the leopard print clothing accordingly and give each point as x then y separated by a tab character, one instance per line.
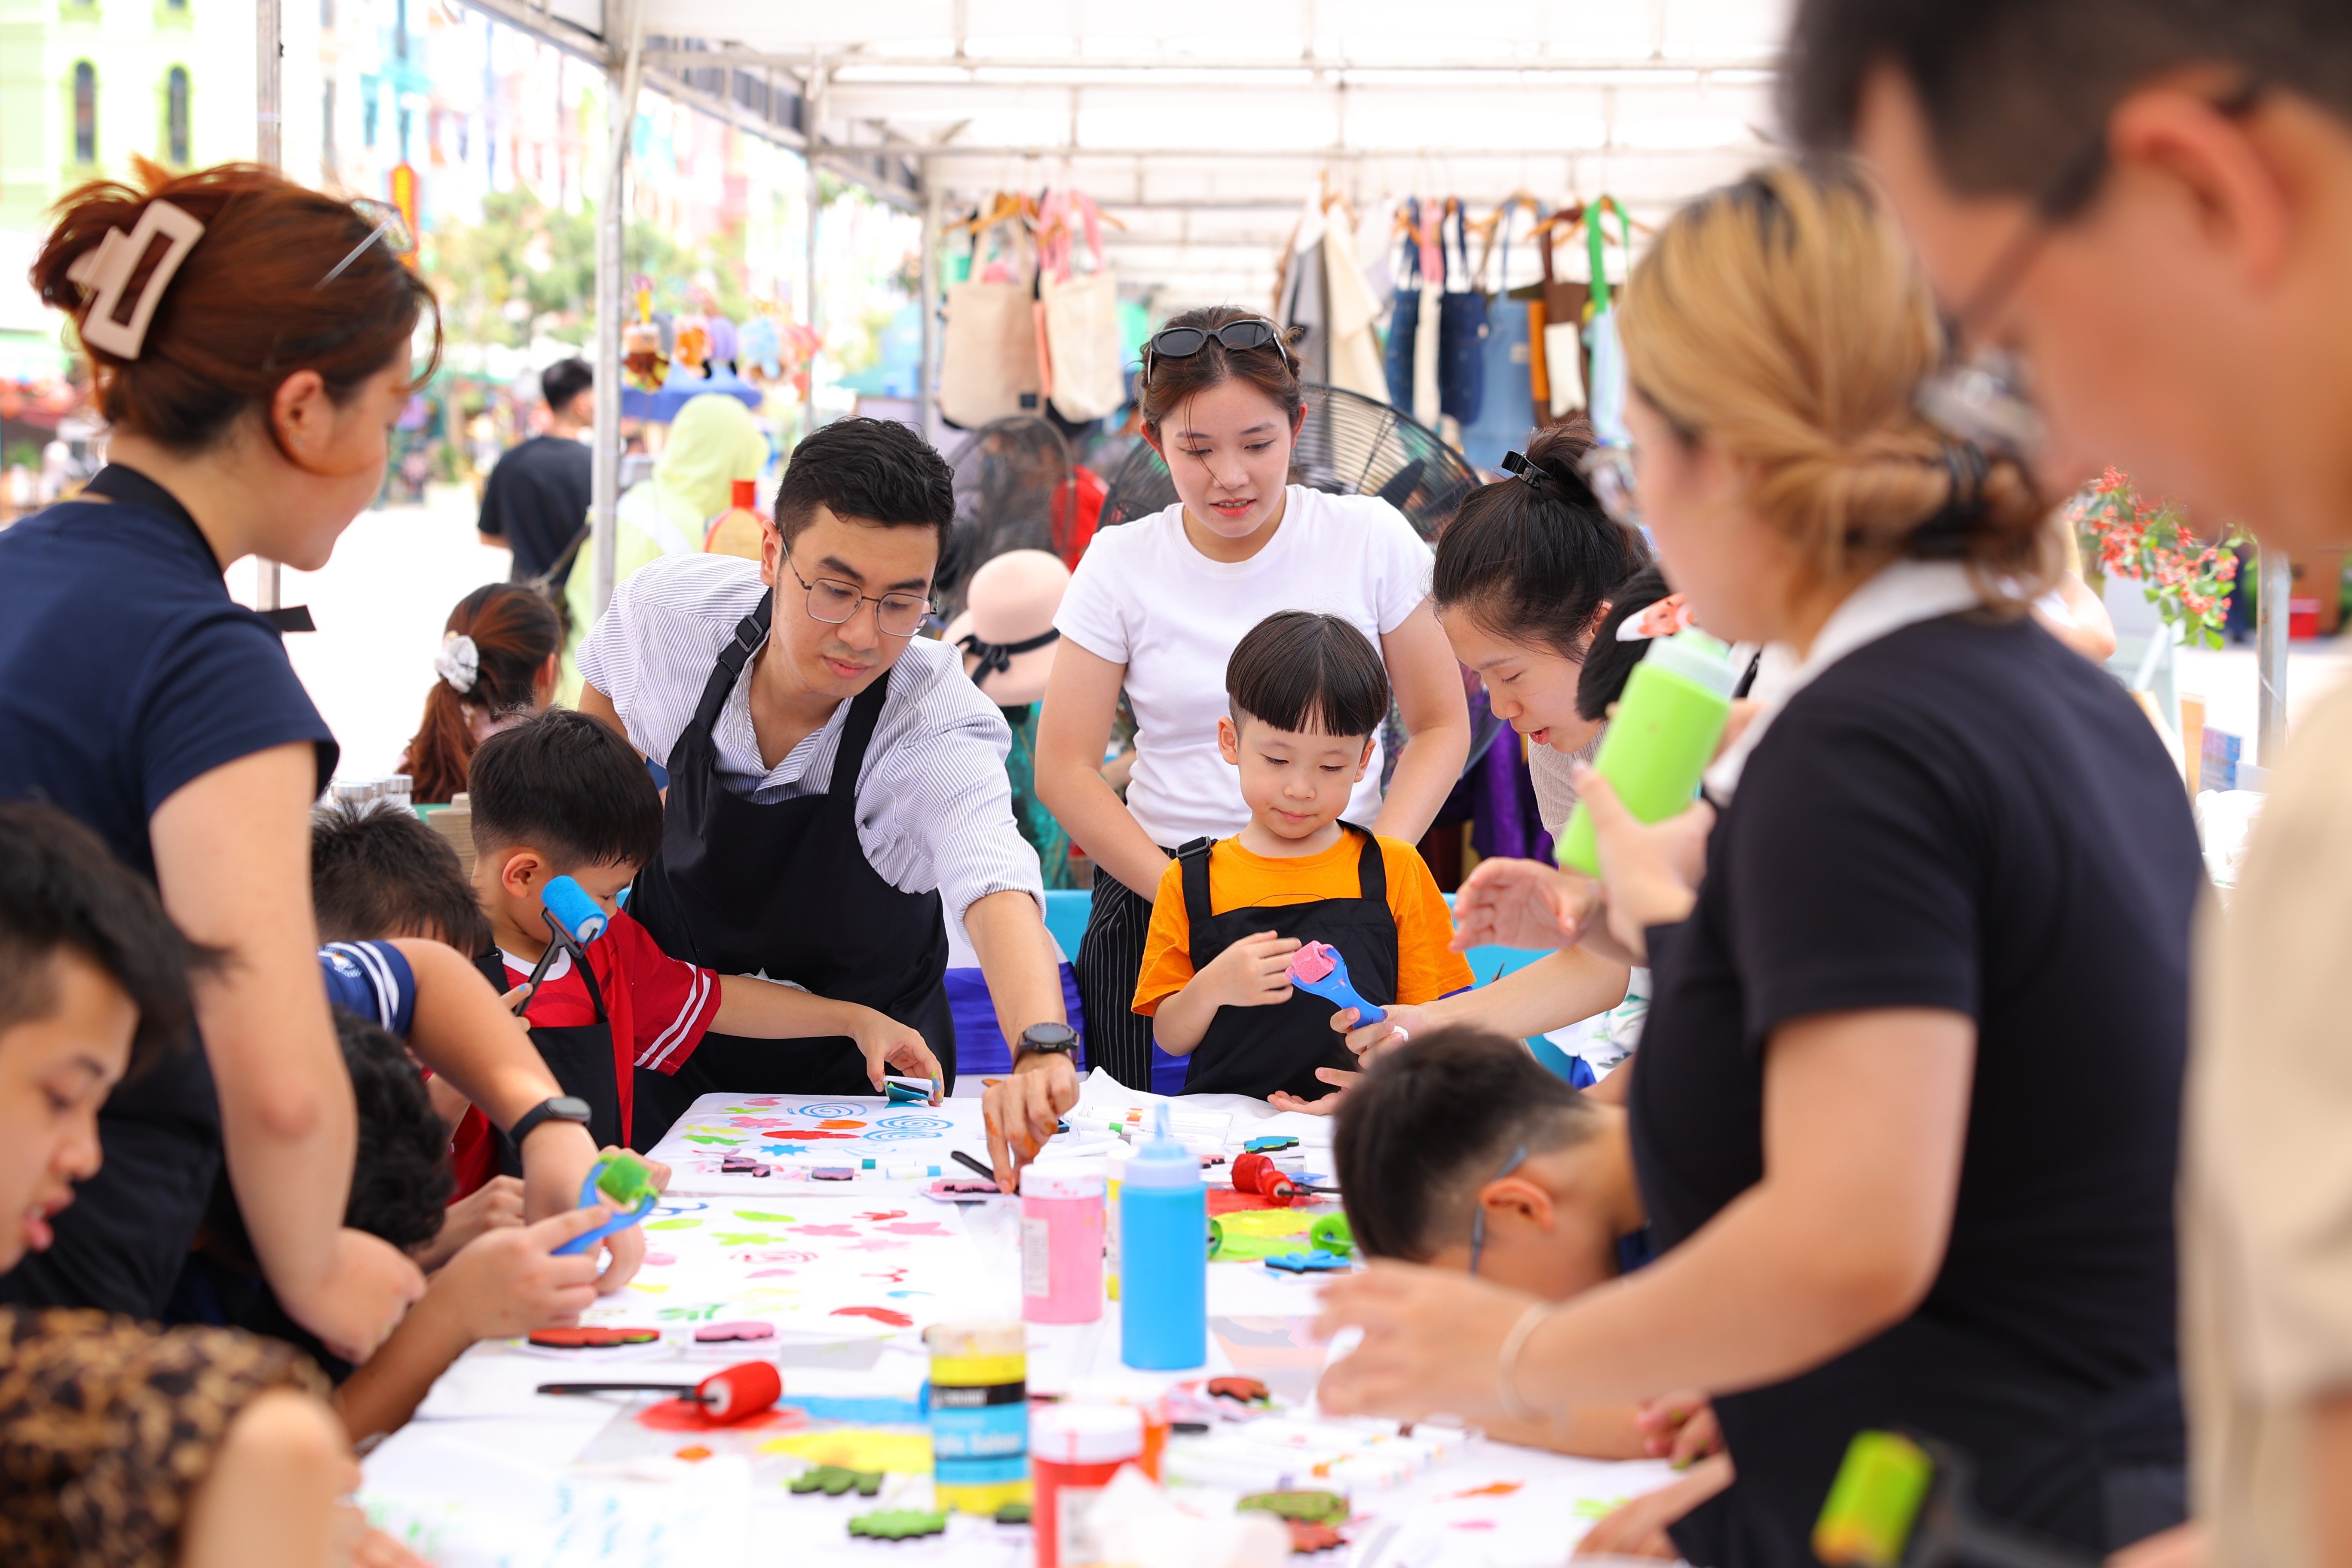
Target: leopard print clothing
106	1424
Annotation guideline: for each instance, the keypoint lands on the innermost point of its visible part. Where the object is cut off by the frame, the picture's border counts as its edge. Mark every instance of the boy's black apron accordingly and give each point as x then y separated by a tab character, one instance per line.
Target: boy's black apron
1257	1050
579	1055
785	890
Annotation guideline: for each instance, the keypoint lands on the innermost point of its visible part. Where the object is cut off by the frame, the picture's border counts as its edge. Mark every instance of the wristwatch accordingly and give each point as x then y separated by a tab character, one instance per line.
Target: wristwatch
1047	1040
561	1107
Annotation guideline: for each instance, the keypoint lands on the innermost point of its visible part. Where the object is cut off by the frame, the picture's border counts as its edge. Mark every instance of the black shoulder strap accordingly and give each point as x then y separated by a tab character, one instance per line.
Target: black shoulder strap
1194	859
749	633
856	731
1371	869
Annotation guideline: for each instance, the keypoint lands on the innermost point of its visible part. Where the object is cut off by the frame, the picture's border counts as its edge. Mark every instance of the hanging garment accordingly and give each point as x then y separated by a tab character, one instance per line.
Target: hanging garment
1301	302
1563	303
1507	410
1404	316
1087	366
989	364
1462	328
1351	309
1608	390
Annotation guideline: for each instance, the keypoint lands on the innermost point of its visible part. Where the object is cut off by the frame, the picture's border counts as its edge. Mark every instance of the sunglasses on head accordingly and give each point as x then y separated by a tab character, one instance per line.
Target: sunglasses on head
1183	342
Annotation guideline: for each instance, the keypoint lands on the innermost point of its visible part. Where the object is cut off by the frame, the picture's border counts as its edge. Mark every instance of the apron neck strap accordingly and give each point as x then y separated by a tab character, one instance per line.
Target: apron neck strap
749	633
856	731
1371	871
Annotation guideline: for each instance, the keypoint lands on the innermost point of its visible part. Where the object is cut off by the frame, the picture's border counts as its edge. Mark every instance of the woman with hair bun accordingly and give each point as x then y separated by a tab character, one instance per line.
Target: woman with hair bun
250	344
496	665
1907	1110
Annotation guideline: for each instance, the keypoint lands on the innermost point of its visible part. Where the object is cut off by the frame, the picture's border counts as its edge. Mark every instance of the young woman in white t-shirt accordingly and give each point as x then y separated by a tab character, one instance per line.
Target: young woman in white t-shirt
1157	606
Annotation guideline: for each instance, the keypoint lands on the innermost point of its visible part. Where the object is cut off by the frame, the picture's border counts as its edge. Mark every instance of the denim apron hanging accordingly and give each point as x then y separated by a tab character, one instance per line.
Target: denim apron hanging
1405	314
1461	330
1507	410
1608	390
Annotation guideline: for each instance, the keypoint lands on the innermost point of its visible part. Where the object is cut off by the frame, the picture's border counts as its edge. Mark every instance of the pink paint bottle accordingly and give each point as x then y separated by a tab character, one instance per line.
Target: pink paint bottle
1061	1248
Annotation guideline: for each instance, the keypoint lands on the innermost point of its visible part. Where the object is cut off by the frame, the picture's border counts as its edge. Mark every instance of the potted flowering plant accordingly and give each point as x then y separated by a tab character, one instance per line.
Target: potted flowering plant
2151	544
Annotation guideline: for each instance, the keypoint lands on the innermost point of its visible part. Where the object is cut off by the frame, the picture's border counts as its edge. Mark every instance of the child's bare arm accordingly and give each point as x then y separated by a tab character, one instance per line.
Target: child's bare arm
1253	973
764	1010
503	1282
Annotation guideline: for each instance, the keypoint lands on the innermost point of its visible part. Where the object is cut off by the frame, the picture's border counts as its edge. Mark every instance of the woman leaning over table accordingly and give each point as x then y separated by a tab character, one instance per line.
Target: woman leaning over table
250	345
1907	1105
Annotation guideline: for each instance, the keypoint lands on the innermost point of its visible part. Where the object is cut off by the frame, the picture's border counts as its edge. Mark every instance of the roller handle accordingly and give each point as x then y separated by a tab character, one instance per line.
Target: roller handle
621	1221
1333	986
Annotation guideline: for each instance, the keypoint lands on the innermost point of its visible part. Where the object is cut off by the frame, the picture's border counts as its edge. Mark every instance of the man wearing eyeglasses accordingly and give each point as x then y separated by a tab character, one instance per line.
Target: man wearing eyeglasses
835	779
2139	214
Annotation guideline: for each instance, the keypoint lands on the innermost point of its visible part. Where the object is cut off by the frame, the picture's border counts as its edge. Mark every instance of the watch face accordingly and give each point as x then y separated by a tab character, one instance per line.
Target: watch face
1049	1037
568	1107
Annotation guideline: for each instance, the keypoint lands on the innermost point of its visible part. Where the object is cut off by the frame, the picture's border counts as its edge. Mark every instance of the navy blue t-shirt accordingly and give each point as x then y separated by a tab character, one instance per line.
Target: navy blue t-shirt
127	672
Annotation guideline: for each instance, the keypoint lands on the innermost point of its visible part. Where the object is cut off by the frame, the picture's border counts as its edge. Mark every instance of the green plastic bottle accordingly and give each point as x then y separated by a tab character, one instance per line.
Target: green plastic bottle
1662	738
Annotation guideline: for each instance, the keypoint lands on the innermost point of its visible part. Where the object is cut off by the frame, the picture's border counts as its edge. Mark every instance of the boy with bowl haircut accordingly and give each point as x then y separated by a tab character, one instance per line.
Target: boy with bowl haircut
564	795
1307	694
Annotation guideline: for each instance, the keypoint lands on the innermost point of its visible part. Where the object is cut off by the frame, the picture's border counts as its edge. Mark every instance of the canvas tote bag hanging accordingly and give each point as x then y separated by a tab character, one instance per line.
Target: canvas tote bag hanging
1461	331
988	367
1508	410
1563	311
1087	375
1404	313
1609	382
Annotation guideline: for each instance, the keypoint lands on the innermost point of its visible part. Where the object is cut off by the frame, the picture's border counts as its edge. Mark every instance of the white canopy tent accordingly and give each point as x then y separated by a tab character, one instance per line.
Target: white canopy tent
1203	127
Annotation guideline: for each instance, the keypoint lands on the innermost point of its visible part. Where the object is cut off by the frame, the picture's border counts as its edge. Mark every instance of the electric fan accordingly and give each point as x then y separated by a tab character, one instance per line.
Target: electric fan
1348	444
1007	476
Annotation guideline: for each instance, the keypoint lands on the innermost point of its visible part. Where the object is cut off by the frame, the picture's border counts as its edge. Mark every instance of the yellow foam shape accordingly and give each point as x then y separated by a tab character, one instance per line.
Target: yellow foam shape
649	1290
1267	1222
858	1448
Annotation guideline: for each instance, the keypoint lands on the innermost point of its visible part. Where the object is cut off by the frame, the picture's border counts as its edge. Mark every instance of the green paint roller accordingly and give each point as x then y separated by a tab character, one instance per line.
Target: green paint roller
1903	1502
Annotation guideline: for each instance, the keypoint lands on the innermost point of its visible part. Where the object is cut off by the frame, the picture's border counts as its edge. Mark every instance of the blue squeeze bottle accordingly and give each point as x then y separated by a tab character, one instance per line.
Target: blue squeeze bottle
1163	1222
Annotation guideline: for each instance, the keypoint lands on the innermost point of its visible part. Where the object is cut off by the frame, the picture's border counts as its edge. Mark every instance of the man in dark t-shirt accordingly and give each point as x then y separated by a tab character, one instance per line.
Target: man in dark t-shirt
537	496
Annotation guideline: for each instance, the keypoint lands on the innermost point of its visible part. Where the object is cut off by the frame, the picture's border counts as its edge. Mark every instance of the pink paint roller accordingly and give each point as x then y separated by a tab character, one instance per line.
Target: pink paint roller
1322	969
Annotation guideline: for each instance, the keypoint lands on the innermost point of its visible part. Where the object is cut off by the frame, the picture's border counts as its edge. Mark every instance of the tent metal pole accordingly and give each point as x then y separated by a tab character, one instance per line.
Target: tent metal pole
815	102
622	73
926	370
270	149
2270	612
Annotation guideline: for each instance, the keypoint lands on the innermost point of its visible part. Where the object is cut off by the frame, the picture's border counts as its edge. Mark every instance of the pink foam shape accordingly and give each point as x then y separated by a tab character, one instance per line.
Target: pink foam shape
826	1229
660	1259
915	1228
1312	961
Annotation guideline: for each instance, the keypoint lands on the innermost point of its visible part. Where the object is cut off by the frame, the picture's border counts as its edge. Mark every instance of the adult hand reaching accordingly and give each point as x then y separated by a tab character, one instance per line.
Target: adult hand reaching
1522	904
1022	1112
1651	871
1433	1341
1373	1041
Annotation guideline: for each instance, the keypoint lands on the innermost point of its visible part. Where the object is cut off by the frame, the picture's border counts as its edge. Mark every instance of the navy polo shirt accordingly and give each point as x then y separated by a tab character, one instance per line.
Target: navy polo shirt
127	672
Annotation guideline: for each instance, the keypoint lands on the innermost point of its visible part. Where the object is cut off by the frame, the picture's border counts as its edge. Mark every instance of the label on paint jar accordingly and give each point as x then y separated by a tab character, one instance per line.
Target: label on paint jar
1037	1257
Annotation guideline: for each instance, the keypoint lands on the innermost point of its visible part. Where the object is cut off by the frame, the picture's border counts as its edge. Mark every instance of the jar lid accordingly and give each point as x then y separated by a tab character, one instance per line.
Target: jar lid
1084	1433
1039	1183
983	1337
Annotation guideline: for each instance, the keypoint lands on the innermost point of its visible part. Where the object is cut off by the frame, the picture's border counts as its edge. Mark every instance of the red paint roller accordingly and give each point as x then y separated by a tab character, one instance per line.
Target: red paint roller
732	1394
1258	1173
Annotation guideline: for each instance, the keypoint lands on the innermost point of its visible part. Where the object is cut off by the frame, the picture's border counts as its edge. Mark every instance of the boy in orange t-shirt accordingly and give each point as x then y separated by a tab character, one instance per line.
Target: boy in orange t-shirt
1308	693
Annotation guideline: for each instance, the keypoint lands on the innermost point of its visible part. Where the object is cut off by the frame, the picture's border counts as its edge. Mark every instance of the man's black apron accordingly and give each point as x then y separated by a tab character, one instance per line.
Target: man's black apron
1257	1050
784	890
579	1055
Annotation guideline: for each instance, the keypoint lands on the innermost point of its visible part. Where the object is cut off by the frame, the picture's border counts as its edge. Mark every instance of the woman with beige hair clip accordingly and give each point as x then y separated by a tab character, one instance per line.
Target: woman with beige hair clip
1905	1114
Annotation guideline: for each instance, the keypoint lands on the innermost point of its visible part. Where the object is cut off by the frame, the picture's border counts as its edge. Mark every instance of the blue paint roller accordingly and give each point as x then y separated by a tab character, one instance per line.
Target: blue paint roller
1322	969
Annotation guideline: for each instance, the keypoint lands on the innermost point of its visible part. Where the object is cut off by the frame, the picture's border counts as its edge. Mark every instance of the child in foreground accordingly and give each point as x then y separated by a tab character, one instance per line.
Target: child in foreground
1307	694
1458	1149
118	1443
563	796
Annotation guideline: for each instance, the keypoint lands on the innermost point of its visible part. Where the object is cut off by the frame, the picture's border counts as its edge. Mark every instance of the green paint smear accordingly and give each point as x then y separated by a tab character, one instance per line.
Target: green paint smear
707	1138
673	1225
743	1238
757	1217
1593	1510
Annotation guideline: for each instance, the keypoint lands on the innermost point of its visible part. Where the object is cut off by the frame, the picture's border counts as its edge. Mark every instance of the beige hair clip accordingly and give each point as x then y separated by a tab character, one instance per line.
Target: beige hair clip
104	273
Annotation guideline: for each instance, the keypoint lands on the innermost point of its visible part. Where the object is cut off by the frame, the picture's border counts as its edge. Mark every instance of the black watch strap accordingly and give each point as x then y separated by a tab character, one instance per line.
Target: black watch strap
560	1107
1047	1040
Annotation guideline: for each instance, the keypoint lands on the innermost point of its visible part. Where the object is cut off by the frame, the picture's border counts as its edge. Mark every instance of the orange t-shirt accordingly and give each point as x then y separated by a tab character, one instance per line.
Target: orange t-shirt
1427	968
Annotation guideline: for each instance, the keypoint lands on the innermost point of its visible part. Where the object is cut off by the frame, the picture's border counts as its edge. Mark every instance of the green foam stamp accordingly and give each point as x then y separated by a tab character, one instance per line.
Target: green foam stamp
834	1480
622	1180
1332	1234
898	1524
1900	1500
1307	1507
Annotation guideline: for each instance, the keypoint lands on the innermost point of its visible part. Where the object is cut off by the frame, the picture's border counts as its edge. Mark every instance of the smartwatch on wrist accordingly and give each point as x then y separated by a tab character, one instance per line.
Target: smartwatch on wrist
561	1107
1047	1040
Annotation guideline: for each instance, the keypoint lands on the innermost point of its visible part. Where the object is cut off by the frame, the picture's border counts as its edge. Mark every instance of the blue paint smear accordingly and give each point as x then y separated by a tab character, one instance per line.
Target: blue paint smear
861	1412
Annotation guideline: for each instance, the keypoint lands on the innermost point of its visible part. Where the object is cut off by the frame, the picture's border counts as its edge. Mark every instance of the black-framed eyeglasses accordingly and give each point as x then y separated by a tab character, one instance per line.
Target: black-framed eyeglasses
391	230
1183	342
1983	396
1478	1215
833	601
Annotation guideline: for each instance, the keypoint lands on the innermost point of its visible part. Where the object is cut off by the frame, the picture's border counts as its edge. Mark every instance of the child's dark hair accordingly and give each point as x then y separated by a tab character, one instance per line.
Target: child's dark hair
566	783
866	471
1534	561
377	873
1300	672
1176	382
401	1179
514	632
61	888
1431	1122
1608	663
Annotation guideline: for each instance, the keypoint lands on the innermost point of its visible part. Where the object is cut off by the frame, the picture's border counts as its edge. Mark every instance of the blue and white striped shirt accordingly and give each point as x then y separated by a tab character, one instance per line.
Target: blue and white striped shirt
934	804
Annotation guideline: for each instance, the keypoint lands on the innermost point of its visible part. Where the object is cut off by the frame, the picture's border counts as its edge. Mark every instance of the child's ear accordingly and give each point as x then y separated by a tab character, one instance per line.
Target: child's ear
523	874
1229	740
1515	1198
1365	762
